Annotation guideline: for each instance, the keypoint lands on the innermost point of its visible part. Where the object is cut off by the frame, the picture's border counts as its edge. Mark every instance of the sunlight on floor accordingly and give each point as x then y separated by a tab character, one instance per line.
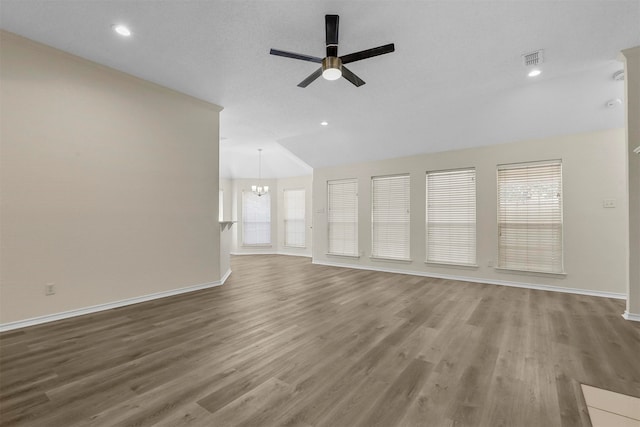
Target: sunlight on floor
609	409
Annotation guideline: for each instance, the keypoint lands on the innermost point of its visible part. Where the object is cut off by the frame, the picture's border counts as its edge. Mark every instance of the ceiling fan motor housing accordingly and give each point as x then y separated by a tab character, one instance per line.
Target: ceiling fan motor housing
331	68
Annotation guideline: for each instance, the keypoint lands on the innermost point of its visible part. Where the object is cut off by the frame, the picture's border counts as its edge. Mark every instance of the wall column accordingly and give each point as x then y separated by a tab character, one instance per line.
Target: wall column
632	88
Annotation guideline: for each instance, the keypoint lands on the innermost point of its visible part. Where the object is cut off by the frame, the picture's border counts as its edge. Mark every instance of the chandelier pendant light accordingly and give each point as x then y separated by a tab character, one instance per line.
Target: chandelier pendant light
259	189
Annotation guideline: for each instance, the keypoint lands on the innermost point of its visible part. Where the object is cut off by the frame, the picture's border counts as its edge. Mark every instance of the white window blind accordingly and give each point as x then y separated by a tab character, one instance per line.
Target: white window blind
390	211
451	217
530	217
294	224
343	217
256	218
220	205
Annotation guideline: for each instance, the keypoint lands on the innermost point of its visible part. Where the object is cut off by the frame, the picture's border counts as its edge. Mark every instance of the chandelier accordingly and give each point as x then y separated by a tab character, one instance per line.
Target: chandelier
260	189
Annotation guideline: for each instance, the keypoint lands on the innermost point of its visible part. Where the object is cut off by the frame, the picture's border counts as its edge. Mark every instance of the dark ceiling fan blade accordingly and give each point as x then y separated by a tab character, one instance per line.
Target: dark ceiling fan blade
295	56
331	32
311	78
348	74
369	53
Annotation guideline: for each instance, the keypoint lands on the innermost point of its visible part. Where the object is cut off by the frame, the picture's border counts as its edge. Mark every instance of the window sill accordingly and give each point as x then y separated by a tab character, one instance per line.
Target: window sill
294	247
453	265
257	246
399	260
342	256
531	272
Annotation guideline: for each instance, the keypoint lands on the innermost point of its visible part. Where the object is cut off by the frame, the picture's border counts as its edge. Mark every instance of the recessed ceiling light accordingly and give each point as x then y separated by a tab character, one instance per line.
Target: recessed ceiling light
534	73
122	30
324	123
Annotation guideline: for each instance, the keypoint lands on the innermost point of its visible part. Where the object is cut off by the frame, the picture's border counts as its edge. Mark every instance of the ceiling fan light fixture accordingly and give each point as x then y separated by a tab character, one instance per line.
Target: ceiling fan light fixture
332	74
331	68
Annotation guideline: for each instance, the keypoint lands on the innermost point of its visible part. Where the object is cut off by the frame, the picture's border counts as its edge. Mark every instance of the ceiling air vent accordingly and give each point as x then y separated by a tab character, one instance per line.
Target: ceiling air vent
532	58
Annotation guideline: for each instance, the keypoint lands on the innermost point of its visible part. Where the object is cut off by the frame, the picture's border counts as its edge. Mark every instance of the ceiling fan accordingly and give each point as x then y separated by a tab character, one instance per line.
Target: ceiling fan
333	65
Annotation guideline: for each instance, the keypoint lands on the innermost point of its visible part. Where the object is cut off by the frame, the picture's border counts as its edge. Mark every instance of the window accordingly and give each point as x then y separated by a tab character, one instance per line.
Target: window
390	214
294	226
343	217
220	206
256	219
451	217
530	217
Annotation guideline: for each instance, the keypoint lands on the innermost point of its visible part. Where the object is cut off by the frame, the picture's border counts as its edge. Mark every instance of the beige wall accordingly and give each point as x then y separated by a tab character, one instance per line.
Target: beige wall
107	182
632	86
595	238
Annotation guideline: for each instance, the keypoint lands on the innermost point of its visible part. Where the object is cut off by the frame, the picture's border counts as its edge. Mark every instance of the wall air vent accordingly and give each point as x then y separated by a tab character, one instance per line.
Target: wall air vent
532	58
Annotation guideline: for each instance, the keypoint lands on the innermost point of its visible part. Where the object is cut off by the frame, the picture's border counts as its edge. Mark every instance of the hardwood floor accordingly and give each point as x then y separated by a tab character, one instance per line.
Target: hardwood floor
285	342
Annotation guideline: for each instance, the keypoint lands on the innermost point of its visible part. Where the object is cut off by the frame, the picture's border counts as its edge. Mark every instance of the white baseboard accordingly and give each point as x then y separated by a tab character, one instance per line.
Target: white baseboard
108	306
294	254
271	253
631	316
255	253
479	280
225	277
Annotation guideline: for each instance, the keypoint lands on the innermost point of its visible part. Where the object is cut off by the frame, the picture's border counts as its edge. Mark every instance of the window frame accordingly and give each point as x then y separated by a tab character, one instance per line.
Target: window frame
244	244
475	202
356	242
511	166
408	221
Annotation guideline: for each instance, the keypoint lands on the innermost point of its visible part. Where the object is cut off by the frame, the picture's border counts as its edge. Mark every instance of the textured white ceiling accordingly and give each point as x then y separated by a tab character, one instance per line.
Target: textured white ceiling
456	79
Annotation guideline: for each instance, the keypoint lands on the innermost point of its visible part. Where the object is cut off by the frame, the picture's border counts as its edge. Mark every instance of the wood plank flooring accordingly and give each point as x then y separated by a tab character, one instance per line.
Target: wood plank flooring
285	342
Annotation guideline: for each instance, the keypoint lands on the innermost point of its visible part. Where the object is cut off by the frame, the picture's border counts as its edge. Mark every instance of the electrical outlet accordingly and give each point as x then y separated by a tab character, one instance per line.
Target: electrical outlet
50	289
609	203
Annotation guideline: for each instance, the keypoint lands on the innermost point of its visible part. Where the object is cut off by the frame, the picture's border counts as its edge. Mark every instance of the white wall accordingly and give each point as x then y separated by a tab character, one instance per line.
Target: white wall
108	185
226	185
276	188
595	238
226	232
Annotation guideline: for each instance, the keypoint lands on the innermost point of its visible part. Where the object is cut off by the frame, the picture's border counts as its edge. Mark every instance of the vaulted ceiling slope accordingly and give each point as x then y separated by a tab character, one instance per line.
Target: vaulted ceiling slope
455	80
